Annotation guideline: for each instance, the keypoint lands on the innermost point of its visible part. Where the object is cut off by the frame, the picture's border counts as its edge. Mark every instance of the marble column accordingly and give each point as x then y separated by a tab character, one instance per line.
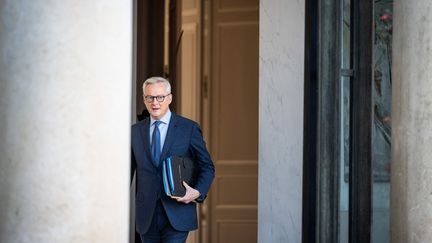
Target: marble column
65	111
411	180
281	80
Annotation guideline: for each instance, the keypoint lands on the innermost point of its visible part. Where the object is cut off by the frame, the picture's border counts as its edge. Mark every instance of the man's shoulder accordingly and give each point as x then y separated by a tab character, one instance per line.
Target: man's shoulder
139	124
184	120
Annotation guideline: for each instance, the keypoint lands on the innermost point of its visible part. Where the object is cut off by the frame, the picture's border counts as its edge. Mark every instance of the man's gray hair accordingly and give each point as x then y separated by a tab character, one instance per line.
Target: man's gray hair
154	80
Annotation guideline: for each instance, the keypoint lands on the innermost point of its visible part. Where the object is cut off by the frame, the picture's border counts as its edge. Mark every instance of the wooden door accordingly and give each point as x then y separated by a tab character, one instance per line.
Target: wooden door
233	104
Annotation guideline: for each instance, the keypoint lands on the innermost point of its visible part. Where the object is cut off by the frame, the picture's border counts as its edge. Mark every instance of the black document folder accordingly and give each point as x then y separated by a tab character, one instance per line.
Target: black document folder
175	170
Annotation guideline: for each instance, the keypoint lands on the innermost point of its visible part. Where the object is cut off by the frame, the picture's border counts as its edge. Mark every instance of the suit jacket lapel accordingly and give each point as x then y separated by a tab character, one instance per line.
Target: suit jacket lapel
170	136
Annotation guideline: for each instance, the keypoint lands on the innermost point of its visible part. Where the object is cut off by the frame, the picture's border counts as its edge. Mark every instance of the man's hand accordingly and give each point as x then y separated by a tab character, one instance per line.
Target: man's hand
190	196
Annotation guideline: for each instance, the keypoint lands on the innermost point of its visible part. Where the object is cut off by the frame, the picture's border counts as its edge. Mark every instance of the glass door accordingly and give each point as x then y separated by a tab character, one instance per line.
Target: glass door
361	143
381	123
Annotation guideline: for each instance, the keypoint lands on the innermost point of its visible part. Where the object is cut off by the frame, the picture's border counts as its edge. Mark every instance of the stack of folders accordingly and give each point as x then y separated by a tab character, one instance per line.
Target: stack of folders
175	170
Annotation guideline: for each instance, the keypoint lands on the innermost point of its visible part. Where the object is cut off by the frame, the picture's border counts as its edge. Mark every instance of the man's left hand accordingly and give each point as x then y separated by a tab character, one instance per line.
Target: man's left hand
190	196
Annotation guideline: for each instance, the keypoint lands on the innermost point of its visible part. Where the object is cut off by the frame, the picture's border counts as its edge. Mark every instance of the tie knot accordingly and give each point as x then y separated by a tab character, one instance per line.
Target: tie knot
157	123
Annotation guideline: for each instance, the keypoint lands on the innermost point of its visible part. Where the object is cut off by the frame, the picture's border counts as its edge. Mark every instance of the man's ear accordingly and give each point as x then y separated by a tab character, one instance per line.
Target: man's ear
170	98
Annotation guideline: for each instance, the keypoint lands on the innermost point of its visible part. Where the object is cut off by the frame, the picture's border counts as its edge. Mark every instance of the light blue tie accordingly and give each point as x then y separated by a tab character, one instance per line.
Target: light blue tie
155	145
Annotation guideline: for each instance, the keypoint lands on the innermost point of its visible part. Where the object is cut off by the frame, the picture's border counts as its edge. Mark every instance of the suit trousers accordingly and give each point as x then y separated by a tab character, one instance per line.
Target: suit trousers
161	231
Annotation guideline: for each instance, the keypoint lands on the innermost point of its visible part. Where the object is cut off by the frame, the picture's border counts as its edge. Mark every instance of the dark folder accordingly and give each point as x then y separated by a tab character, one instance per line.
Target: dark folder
175	170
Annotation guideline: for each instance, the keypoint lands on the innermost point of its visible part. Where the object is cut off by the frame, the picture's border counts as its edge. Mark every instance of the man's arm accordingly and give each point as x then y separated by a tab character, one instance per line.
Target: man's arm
133	165
206	169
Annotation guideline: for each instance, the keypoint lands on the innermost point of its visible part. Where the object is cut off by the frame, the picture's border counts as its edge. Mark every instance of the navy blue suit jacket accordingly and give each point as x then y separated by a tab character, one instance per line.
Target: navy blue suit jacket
183	138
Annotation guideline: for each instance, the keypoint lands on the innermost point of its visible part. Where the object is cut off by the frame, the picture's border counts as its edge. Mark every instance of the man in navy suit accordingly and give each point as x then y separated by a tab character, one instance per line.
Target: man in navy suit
160	218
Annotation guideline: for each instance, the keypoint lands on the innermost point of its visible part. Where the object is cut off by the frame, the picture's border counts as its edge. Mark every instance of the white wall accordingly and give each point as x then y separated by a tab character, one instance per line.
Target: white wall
411	168
282	24
65	111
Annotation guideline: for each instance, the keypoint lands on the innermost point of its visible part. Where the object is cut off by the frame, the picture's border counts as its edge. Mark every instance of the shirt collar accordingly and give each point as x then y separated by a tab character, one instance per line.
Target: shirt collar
165	119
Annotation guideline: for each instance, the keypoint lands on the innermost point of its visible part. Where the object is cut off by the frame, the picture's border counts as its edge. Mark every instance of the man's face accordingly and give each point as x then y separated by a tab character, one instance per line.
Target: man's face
157	109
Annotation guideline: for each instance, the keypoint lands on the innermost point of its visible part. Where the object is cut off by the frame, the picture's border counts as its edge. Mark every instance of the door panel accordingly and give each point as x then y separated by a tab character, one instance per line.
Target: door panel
238	96
190	52
189	86
234	201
